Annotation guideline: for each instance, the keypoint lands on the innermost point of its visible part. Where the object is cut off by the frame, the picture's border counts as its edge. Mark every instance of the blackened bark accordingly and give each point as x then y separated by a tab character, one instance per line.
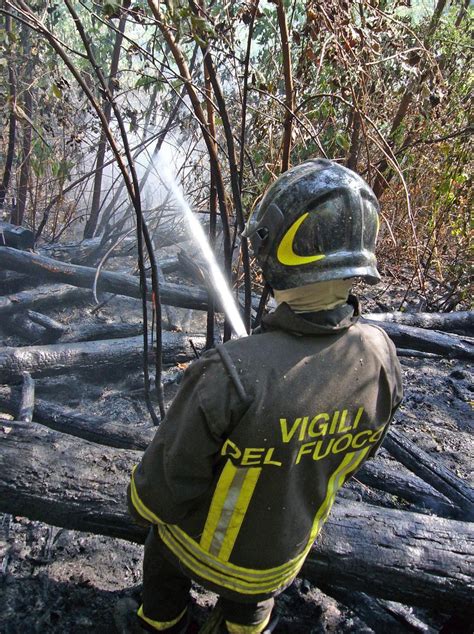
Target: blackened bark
111	355
408	557
19	211
11	126
91	223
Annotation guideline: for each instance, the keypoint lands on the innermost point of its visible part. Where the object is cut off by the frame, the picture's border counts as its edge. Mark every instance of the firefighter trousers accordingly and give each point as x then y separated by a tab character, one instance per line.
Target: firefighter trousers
166	597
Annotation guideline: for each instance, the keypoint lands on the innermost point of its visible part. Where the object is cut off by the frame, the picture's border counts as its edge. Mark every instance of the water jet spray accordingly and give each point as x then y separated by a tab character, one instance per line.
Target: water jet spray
197	233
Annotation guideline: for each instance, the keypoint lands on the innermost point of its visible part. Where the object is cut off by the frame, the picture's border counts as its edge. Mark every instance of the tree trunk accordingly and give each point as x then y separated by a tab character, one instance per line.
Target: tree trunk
95	332
84	276
96	429
389	478
26	328
109	355
16	237
118	283
88	252
19	212
379	615
26	402
429	469
407	557
431	341
42	297
11	124
91	223
460	322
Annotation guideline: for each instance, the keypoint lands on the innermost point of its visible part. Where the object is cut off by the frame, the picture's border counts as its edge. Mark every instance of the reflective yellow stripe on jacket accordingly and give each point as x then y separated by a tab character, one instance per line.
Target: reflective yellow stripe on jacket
228	508
209	558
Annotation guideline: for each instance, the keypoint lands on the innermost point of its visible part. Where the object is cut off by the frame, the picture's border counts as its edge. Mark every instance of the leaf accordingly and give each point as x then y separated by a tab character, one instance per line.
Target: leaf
12	36
56	91
111	9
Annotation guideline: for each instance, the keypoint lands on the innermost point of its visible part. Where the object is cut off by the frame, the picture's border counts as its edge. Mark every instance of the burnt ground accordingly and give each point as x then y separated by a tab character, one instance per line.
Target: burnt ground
62	581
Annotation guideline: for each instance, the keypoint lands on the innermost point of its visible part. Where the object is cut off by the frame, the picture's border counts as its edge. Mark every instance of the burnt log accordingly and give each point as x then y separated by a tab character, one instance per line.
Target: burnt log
53	327
11	282
43	297
408	557
26	402
97	429
15	236
378	614
118	283
459	322
431	471
25	328
388	478
93	355
109	281
86	251
90	251
94	332
431	341
35	327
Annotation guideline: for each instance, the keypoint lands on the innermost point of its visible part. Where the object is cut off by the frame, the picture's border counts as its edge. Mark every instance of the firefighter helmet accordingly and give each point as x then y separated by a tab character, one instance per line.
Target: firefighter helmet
317	222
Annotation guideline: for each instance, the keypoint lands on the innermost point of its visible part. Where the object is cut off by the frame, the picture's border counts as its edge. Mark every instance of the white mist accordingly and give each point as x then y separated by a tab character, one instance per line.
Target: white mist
197	234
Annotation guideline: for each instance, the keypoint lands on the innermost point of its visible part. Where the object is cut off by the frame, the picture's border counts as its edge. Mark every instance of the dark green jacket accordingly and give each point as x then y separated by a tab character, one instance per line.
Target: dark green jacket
264	430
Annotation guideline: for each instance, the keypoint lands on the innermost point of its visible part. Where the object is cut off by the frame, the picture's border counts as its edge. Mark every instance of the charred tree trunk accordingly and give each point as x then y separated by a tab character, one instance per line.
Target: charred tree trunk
460	322
430	341
26	402
439	477
89	356
36	327
408	487
88	252
43	297
84	276
11	125
407	557
100	332
96	429
19	212
91	223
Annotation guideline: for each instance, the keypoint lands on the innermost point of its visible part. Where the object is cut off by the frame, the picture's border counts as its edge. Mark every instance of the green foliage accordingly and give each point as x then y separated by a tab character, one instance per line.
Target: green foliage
353	65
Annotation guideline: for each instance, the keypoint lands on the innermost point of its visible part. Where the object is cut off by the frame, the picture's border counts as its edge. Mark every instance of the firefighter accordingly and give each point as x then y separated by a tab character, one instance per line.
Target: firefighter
264	430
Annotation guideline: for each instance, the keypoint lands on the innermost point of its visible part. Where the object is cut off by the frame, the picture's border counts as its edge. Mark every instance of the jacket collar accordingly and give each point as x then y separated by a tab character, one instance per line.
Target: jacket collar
324	322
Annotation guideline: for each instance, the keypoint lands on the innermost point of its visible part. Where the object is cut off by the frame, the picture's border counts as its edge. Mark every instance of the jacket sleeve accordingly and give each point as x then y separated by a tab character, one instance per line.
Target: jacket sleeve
394	374
178	468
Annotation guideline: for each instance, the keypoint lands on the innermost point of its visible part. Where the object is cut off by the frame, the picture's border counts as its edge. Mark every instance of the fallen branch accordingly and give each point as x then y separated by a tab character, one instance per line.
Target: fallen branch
98	429
460	322
95	355
109	281
379	615
408	557
94	332
432	341
35	327
43	297
90	251
406	486
26	403
15	236
25	328
429	469
11	282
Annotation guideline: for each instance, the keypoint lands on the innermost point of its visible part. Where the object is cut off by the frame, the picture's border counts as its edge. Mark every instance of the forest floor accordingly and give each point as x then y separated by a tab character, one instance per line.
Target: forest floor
66	582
